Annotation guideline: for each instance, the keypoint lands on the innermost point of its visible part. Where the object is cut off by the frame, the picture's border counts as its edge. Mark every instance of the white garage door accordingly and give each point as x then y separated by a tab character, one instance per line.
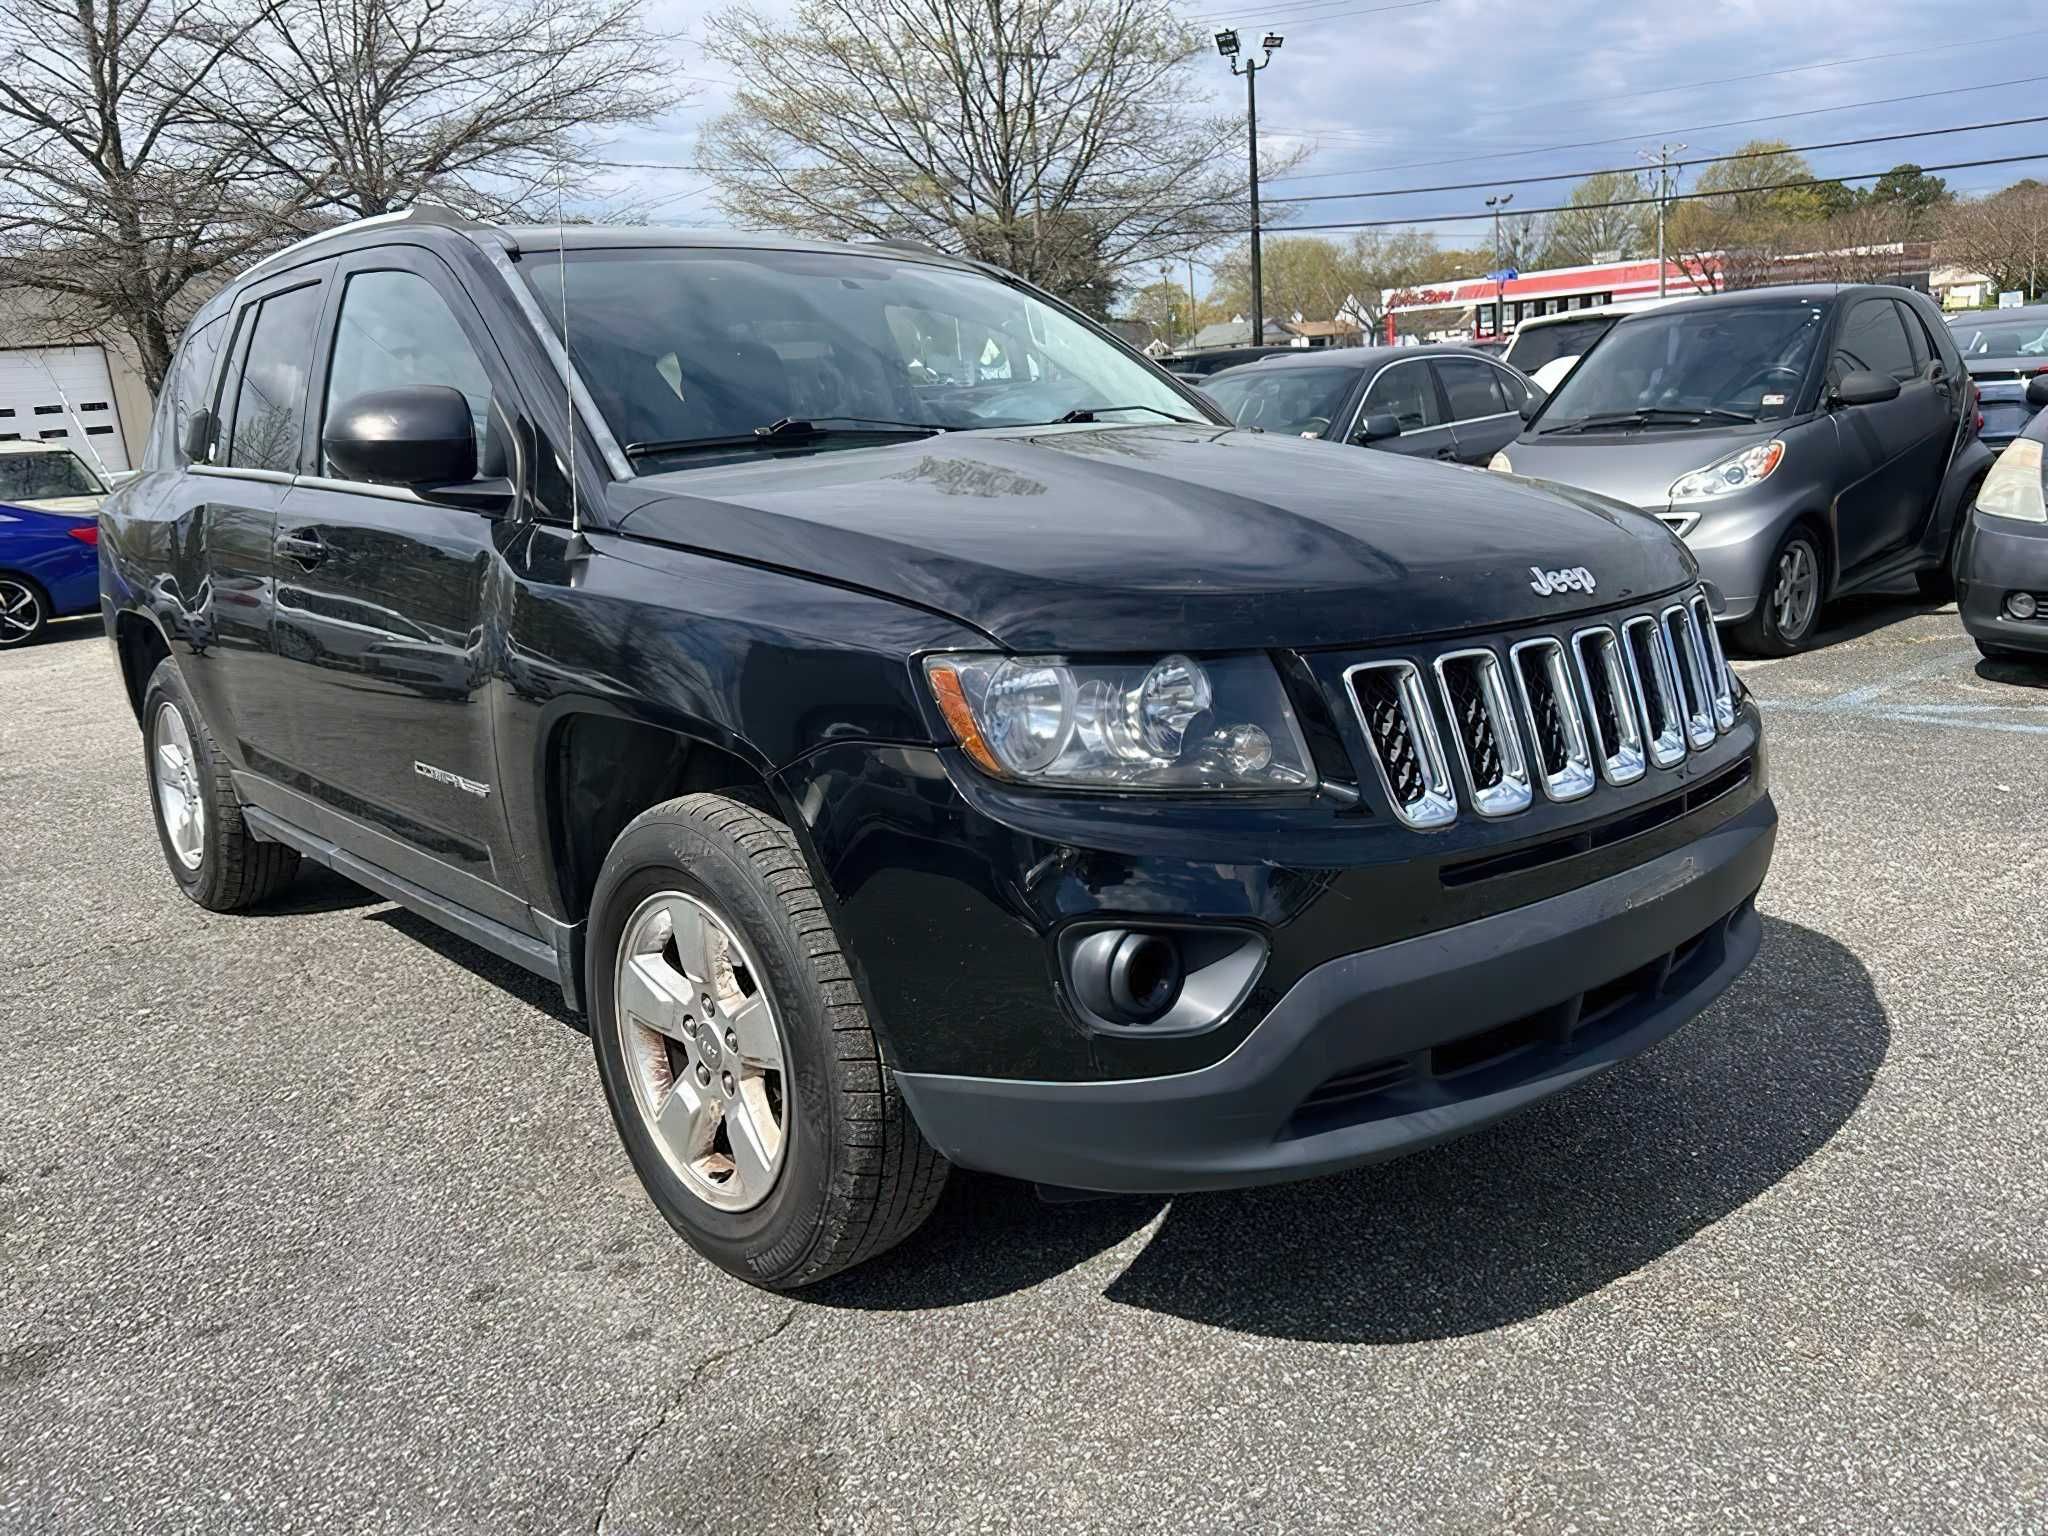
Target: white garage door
62	395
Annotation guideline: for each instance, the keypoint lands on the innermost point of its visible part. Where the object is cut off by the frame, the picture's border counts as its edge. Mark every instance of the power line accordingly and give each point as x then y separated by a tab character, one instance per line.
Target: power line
1639	202
1767	74
1286	13
1631	138
1627	170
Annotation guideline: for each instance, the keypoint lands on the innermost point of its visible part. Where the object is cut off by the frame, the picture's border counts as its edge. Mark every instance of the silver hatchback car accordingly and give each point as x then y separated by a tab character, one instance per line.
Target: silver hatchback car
1804	442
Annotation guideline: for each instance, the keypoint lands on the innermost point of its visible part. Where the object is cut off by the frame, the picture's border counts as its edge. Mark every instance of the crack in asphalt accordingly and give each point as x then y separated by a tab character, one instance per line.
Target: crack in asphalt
647	1435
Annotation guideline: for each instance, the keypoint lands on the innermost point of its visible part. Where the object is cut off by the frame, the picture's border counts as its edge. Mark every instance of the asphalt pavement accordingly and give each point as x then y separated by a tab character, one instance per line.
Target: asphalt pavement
313	1220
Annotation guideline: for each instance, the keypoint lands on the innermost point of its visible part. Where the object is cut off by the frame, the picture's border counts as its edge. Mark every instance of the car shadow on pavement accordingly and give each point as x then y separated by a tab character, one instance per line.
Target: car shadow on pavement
2015	671
317	889
537	991
1853	617
1507	1224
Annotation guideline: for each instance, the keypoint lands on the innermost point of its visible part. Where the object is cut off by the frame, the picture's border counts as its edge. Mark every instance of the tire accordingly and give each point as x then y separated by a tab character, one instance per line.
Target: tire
706	899
24	612
1763	633
225	868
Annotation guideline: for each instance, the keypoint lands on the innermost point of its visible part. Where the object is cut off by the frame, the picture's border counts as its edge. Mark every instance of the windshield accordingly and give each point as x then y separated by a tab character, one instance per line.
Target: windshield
2003	338
45	477
1747	360
1540	344
1282	399
684	345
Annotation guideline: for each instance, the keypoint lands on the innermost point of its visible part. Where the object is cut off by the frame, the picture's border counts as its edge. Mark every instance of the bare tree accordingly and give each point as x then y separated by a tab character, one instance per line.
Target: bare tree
1594	230
2004	236
1001	127
367	106
117	200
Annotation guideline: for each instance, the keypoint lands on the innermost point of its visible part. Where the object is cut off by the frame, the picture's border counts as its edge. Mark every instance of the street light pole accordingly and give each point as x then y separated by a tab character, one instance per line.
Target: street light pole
1500	267
1226	45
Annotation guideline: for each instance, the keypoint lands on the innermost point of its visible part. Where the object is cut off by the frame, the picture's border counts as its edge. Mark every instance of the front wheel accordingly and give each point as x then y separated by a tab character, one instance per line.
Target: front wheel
1788	610
736	1056
23	612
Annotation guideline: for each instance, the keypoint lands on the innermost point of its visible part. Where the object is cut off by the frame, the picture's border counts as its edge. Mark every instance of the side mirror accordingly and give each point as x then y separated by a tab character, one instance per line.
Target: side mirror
1531	404
198	436
1378	427
116	478
421	435
2037	391
1862	388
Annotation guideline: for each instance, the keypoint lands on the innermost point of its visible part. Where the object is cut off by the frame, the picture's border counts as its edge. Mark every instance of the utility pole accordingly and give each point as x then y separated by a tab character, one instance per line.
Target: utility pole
1192	327
1662	160
1500	267
1226	45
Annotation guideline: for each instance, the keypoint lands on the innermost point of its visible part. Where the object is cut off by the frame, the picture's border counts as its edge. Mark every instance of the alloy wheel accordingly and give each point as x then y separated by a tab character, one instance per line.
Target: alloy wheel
1795	591
21	613
179	805
703	1049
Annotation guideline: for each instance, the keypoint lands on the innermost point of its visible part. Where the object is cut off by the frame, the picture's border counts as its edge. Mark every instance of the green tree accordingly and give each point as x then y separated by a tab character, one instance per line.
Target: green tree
1165	306
1589	232
1317	278
1911	187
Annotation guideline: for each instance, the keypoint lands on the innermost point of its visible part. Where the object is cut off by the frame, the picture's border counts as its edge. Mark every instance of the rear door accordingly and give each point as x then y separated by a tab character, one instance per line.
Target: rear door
1483	418
1404	390
1894	451
379	620
217	588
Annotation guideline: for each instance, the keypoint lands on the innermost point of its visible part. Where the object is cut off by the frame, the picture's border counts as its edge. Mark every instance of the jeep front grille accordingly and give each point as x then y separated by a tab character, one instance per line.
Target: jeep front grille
1652	675
1394	708
1691	658
1719	681
1557	730
1483	730
1607	704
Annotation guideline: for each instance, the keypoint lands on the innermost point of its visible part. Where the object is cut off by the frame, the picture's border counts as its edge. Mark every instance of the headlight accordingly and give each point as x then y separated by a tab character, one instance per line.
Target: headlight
1737	472
1501	464
1175	724
2013	488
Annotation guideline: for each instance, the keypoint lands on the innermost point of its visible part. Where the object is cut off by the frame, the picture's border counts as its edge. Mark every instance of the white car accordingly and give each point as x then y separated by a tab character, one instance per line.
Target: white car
1547	347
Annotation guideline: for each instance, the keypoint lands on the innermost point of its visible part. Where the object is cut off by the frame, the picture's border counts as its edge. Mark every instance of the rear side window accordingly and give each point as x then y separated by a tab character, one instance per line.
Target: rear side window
1873	340
1403	391
184	392
1470	385
269	398
396	330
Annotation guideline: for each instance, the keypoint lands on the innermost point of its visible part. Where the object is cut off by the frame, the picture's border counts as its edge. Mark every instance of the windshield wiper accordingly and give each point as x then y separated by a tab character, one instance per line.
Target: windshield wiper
790	430
1090	412
1650	415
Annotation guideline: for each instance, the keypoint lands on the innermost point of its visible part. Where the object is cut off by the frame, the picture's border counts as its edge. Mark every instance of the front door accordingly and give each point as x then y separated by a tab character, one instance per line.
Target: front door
1405	391
1895	451
381	603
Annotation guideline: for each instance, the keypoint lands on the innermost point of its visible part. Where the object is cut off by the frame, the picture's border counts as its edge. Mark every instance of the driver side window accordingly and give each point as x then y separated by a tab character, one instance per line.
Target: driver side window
1873	340
1404	391
395	330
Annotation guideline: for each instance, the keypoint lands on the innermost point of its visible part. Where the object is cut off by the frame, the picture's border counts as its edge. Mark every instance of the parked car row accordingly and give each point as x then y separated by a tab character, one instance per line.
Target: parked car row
1805	442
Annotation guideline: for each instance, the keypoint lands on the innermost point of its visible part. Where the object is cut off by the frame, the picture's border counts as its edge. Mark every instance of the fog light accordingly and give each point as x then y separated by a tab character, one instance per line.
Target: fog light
2020	605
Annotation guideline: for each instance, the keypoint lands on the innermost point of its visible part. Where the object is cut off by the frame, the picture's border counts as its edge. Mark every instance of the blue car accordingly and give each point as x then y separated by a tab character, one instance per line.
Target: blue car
49	537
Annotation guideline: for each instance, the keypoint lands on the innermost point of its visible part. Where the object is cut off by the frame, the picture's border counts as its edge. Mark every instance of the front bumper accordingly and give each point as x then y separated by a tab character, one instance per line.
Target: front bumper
2000	556
1381	1052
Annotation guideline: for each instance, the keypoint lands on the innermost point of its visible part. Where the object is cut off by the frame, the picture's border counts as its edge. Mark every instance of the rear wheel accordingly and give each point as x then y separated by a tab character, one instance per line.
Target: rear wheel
736	1056
210	851
1788	610
23	611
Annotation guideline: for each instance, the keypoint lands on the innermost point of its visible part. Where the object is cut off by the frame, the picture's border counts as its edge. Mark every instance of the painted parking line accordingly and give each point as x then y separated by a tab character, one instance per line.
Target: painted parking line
1932	668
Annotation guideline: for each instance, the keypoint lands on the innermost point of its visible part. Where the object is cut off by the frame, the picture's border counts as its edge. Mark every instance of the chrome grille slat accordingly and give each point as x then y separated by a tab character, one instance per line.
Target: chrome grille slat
1690	664
1483	730
1400	732
1550	708
1720	682
1611	712
1653	682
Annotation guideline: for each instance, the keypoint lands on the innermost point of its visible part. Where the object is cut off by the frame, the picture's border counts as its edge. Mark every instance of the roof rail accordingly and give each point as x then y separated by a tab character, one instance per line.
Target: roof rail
418	213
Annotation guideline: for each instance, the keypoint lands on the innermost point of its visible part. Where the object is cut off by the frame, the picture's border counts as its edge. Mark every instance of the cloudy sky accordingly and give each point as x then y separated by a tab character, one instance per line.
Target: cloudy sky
1441	91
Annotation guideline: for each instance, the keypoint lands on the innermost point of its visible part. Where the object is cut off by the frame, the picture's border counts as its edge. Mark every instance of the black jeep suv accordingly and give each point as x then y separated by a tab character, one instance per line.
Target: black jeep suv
913	728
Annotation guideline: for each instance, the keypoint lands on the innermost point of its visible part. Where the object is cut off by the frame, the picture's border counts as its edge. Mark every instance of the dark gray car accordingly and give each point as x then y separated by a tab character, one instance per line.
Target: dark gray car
2003	349
1433	403
1803	441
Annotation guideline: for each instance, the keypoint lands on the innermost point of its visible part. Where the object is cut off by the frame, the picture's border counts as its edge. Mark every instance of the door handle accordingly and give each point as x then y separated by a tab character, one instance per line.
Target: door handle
304	546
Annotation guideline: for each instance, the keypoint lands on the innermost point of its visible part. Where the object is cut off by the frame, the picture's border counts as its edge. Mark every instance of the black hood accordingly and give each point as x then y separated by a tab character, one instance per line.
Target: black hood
1158	538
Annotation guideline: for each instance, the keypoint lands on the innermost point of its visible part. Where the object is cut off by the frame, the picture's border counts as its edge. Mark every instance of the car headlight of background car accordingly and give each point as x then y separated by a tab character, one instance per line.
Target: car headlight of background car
1737	472
1174	724
2013	488
1500	463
